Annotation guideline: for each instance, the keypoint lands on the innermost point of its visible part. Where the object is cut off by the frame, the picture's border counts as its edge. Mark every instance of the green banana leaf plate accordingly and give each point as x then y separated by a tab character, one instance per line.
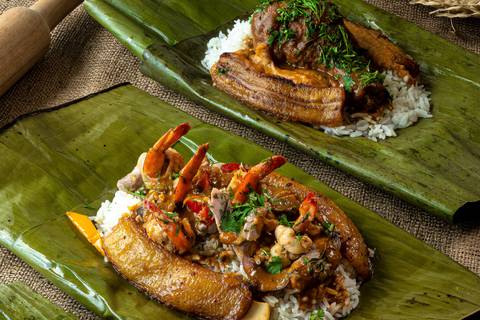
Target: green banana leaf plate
71	158
17	301
434	164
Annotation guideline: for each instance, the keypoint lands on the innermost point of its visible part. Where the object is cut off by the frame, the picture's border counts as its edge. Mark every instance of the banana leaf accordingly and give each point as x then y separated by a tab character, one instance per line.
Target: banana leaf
17	301
71	158
434	164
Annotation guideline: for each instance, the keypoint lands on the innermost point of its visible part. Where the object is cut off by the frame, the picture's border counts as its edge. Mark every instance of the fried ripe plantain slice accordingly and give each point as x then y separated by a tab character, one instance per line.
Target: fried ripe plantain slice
173	280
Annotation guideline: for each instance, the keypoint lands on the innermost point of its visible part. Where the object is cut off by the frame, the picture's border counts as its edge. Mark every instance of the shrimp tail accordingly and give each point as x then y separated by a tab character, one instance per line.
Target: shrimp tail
254	175
188	172
155	158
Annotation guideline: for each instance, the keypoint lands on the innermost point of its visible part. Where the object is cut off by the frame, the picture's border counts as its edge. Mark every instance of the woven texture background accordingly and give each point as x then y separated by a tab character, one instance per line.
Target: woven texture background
84	58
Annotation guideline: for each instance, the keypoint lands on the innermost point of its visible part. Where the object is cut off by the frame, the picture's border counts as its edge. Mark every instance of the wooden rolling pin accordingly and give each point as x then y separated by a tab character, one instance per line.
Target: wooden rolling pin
25	36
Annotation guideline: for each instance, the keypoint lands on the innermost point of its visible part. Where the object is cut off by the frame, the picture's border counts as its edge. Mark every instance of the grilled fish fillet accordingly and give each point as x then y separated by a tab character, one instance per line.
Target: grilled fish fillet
173	280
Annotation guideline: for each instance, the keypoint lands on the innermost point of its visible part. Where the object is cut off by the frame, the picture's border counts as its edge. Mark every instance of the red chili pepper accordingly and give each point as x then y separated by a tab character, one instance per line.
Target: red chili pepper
205	216
230	167
202	210
150	206
195	206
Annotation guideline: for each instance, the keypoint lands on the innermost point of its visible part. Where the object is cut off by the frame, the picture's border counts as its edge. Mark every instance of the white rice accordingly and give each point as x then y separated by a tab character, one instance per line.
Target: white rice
409	103
287	306
111	211
233	41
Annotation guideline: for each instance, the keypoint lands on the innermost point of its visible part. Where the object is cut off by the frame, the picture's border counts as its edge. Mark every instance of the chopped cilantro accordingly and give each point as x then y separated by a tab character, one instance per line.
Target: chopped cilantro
255	199
235	219
140	193
263	5
284	221
367	78
171	215
298	237
329	227
285	34
175	175
318	314
272	37
348	82
275	265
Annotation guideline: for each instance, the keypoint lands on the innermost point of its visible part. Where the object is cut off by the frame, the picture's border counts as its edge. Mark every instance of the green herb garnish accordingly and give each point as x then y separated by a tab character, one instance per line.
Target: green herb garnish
175	175
367	78
285	35
235	219
323	23
272	37
140	193
263	5
338	52
275	265
329	227
298	237
348	82
283	220
171	215
318	314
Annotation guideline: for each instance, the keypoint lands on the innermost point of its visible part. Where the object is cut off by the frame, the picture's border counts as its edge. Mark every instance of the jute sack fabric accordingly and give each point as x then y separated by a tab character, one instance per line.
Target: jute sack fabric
84	58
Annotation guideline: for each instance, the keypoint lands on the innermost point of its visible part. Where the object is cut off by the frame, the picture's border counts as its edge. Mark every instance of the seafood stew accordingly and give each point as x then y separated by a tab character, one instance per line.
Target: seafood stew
217	240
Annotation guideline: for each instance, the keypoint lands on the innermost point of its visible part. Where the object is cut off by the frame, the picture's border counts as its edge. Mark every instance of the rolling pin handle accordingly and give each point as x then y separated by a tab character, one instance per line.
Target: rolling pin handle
53	11
25	36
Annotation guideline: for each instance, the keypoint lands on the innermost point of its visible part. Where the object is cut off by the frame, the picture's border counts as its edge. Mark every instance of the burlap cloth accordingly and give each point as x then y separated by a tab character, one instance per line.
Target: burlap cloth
84	58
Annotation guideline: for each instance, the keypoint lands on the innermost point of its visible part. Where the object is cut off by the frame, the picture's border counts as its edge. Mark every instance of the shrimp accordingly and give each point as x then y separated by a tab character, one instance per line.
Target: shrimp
308	210
354	248
169	229
188	172
254	175
156	155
